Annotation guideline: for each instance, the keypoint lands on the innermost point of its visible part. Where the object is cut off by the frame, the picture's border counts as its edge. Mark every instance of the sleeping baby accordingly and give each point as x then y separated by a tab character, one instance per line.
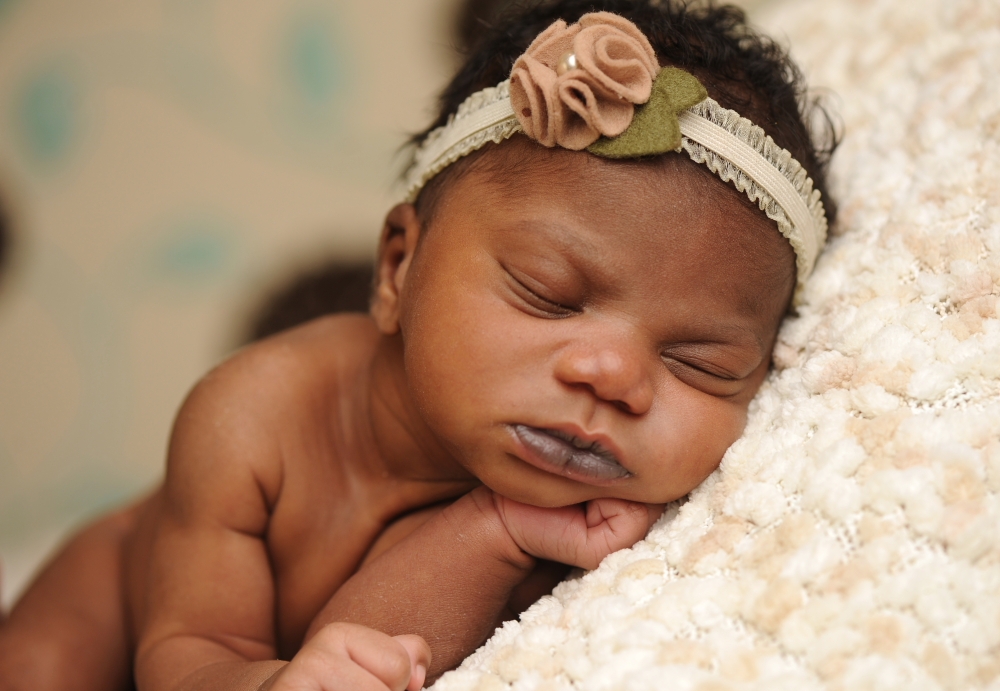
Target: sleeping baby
573	307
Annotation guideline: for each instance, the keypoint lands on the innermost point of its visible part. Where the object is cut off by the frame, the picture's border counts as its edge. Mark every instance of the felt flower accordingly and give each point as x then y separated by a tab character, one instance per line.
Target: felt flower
580	81
656	127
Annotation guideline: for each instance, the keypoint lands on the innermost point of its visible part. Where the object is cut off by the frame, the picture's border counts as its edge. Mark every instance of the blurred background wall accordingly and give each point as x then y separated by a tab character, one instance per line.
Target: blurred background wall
163	165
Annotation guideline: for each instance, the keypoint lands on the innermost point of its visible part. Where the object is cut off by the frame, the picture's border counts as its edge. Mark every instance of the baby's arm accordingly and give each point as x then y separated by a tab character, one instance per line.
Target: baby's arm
206	619
451	579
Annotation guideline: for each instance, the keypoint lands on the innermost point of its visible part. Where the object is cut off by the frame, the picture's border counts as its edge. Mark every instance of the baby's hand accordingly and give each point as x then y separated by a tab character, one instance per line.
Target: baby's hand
349	657
580	535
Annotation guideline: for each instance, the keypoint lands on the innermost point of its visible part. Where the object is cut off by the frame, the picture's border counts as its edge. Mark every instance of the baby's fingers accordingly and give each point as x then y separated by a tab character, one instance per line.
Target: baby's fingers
577	535
608	526
393	661
621	515
614	524
342	657
420	659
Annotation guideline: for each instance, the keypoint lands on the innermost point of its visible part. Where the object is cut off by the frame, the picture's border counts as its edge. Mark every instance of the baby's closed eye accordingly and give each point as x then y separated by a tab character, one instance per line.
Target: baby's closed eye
538	298
717	369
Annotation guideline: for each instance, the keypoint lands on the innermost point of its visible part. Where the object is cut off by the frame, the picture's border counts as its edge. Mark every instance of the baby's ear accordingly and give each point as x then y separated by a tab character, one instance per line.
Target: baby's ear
395	253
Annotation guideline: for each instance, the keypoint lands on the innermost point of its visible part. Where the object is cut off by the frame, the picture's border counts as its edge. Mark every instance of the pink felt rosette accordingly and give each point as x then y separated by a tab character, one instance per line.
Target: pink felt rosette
578	82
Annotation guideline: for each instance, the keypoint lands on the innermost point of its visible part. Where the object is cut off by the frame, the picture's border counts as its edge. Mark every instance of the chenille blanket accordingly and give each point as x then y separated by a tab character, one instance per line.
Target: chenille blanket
851	539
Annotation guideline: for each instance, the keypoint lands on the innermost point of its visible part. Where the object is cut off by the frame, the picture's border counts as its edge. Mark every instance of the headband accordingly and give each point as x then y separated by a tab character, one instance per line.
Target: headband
597	85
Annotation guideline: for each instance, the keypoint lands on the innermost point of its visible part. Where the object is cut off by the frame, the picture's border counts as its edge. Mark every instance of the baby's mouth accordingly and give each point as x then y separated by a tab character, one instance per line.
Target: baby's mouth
569	454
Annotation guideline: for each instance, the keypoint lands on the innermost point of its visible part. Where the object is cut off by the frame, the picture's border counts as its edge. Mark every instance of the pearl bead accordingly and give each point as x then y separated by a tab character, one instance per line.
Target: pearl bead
566	63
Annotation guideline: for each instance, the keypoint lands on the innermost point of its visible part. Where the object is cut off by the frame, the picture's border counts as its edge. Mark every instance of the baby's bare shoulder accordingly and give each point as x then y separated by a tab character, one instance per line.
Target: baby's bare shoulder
307	355
266	377
238	417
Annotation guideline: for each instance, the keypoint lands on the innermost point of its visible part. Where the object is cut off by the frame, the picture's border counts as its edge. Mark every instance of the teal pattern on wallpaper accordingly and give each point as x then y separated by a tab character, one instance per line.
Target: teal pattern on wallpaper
300	115
315	85
46	116
69	481
193	251
315	65
181	258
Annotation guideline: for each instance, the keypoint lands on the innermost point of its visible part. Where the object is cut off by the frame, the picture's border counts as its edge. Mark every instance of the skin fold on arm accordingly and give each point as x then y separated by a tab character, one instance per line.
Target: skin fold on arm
205	616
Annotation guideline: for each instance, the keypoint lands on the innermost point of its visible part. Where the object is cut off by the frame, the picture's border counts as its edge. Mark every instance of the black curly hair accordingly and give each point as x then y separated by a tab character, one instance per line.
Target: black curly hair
742	70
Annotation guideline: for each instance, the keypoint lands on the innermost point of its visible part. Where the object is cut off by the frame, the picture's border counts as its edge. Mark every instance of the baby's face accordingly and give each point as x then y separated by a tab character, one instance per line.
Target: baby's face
576	328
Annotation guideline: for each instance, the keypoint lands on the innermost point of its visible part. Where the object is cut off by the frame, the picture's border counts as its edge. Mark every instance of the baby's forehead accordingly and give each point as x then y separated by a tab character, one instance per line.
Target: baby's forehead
521	173
669	200
518	165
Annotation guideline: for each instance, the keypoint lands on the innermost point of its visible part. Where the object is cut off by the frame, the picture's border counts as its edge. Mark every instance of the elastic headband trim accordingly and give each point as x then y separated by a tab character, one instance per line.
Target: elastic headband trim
731	146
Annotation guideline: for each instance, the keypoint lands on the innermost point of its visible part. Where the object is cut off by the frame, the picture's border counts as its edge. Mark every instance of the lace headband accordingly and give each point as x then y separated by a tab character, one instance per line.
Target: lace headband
596	85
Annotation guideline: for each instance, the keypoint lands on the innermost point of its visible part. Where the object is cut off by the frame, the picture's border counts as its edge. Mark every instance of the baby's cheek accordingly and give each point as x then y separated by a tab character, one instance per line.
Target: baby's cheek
452	372
688	442
720	428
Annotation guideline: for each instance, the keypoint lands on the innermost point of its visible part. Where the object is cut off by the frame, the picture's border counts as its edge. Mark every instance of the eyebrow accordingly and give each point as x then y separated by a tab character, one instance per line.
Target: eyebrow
579	253
553	228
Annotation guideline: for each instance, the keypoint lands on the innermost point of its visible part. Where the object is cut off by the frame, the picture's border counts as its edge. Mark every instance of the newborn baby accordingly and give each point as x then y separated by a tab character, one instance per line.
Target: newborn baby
572	312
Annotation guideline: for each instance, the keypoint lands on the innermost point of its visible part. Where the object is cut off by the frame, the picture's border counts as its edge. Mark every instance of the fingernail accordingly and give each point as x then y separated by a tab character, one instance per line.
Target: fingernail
420	674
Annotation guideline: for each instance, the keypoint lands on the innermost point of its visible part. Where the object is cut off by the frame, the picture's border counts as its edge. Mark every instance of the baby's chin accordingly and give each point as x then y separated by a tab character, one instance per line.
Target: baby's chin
515	474
561	491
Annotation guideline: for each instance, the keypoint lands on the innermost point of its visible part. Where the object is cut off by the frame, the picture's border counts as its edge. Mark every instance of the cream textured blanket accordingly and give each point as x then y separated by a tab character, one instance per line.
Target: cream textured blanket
851	538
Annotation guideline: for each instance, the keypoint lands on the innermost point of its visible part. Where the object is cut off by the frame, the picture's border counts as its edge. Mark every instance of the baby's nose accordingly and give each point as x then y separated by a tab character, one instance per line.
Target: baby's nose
614	371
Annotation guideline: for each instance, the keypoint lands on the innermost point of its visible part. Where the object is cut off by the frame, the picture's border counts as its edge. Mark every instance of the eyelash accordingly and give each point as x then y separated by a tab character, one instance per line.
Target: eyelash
554	310
548	307
701	370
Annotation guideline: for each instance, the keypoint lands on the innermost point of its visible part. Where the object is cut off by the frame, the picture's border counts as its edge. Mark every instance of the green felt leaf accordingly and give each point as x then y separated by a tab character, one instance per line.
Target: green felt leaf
654	128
